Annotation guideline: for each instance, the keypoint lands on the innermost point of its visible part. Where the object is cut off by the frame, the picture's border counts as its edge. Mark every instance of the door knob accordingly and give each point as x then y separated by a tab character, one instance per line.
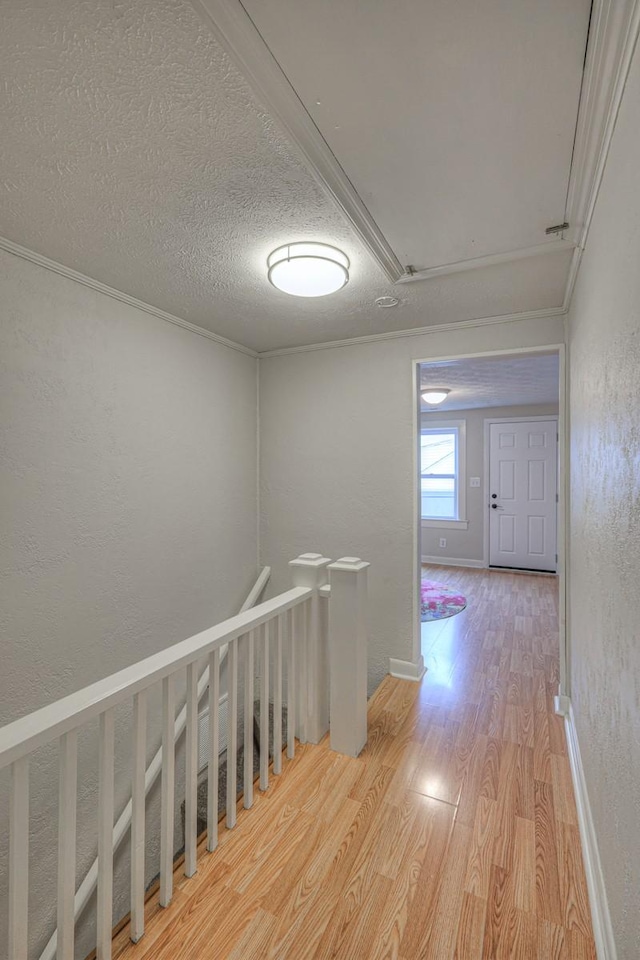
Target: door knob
493	496
494	506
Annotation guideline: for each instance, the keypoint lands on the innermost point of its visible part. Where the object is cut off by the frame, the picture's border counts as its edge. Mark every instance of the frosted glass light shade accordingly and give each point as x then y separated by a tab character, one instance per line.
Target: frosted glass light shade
435	397
308	269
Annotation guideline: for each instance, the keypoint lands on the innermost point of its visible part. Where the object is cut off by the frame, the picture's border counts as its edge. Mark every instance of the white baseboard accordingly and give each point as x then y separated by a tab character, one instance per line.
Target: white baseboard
407	669
453	562
600	917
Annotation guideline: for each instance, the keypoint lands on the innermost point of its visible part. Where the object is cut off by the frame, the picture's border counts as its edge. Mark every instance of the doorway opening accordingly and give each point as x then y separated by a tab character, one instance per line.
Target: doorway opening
489	476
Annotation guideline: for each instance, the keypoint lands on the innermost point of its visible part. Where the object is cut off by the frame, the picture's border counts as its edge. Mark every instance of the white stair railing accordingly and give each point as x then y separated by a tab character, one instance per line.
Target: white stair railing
142	784
297	625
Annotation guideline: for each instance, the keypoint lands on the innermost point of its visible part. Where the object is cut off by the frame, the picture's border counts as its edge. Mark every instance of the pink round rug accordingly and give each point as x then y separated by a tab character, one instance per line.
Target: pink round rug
440	601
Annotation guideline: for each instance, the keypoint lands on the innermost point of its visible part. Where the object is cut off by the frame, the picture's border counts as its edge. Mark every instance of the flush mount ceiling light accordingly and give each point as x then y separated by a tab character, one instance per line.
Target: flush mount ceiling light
308	269
435	395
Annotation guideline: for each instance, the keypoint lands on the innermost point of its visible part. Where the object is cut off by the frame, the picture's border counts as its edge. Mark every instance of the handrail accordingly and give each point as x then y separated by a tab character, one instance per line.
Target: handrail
256	591
302	635
123	823
26	734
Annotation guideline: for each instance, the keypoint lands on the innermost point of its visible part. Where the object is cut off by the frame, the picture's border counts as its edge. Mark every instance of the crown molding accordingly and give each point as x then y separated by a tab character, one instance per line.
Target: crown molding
235	30
490	260
572	276
613	34
26	254
77	277
416	332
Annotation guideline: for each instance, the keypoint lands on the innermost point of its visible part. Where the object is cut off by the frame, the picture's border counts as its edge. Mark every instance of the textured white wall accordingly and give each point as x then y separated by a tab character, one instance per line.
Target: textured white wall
469	544
605	520
337	445
128	486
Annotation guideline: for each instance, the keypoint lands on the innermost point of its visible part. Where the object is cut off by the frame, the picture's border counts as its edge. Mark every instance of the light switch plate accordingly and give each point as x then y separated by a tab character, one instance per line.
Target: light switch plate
474	481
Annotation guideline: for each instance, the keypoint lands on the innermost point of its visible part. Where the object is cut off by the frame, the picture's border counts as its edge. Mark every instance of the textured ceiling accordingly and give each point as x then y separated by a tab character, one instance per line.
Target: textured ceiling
493	381
134	152
455	120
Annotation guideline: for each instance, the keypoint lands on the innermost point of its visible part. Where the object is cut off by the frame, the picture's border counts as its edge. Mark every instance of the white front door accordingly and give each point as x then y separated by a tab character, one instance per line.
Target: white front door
523	471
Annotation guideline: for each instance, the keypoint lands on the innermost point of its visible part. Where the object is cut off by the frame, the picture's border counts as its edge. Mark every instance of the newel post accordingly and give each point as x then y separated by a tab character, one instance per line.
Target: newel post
348	655
310	570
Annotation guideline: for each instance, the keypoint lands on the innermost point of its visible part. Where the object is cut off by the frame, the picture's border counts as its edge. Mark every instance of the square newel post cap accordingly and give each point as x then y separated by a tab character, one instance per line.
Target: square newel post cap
349	564
309	570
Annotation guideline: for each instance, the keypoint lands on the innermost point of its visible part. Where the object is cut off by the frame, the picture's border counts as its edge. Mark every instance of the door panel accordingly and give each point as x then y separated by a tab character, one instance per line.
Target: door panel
507	479
537	485
507	537
523	484
536	536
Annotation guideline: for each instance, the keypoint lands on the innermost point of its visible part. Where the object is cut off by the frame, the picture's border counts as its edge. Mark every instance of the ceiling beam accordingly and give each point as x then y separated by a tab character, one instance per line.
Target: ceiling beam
491	260
613	33
235	30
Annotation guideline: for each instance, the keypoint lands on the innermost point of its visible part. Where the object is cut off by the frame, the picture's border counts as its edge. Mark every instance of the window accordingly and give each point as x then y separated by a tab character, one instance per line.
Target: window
442	472
438	473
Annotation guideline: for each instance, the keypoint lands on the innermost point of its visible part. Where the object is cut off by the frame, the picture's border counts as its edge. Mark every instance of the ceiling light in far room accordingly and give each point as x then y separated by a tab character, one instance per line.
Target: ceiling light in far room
435	395
308	269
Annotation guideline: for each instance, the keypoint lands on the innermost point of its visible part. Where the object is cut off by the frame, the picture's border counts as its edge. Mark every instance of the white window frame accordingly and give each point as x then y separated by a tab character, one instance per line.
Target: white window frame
427	422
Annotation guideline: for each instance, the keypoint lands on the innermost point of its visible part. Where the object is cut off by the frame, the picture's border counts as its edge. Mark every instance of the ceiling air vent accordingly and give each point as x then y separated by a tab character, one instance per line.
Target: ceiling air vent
387	302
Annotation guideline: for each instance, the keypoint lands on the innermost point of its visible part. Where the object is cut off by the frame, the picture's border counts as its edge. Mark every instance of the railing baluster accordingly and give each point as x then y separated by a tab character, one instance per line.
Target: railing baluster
105	833
168	799
99	701
291	689
303	613
277	700
308	607
67	802
19	860
264	709
191	774
248	720
138	815
232	733
214	750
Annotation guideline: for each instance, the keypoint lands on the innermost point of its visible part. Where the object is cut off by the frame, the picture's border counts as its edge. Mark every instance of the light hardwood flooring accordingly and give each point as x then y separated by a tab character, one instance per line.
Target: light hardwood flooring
453	835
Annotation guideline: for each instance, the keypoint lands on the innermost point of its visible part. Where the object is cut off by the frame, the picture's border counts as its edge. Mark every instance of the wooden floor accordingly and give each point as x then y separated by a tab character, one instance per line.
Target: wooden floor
454	834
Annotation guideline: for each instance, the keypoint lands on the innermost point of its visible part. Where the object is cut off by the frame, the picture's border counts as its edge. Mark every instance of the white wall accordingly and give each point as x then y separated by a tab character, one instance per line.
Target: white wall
128	486
337	462
605	520
469	544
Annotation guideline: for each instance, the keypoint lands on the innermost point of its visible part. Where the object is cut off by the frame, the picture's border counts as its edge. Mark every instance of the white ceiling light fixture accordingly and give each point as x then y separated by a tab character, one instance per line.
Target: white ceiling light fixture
308	269
435	395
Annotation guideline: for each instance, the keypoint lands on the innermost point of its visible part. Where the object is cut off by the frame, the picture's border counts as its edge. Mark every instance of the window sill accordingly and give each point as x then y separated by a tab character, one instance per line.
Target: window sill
445	524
